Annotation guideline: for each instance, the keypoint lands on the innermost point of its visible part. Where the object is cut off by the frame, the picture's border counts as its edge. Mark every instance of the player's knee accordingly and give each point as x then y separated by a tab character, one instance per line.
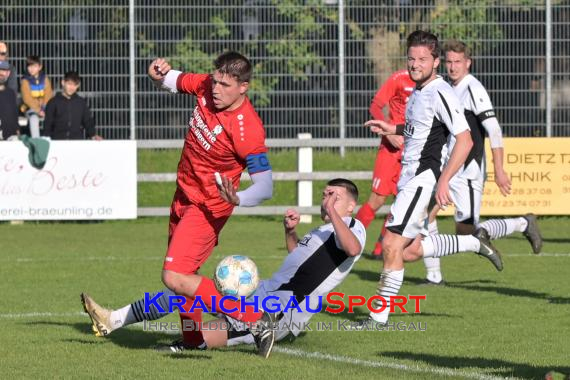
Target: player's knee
170	280
389	247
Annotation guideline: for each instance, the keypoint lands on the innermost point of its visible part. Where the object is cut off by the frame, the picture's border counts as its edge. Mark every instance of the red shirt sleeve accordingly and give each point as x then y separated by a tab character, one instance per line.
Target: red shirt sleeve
382	97
250	137
195	84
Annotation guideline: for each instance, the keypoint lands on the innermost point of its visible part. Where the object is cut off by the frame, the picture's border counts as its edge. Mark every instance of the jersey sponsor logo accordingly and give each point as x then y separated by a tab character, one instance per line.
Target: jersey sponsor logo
217	130
202	132
305	240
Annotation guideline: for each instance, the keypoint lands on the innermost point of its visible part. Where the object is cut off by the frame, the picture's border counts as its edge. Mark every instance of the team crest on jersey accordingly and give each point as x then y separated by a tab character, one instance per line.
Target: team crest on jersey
217	130
305	240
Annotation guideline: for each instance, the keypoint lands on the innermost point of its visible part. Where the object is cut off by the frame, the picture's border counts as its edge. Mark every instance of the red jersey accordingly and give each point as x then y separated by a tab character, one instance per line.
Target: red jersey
217	141
394	93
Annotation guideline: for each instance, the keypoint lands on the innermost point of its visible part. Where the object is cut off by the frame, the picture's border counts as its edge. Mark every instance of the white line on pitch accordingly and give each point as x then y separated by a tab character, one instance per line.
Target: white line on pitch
378	364
41	314
303	354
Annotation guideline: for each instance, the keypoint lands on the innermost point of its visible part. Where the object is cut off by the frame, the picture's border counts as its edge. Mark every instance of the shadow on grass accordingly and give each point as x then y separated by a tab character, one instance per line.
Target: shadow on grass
128	338
511	292
498	367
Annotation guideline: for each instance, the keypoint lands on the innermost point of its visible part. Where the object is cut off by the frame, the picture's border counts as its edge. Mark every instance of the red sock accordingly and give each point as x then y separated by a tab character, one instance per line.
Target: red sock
377	249
191	336
207	289
378	246
365	214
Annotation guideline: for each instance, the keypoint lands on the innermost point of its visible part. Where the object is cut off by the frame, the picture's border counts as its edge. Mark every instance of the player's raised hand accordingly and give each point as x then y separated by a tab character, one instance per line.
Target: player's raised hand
330	199
158	69
503	182
442	196
380	127
291	219
227	189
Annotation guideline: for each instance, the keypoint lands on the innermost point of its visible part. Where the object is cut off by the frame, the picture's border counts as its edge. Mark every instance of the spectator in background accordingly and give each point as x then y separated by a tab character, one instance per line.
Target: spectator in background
36	92
8	106
13	79
68	116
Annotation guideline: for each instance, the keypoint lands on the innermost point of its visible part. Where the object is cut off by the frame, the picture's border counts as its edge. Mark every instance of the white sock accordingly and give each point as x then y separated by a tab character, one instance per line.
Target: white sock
133	313
497	228
445	245
432	264
389	285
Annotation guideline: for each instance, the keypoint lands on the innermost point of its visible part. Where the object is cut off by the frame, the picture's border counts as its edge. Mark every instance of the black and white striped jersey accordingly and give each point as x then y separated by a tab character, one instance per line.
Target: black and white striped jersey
432	113
478	108
314	268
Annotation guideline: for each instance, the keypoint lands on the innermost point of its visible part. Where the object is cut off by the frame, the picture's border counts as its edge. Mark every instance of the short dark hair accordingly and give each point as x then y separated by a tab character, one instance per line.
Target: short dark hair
458	47
72	76
33	59
347	184
234	64
427	39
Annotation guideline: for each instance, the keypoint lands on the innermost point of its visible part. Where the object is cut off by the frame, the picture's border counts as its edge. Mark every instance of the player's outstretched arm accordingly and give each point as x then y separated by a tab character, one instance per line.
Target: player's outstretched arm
290	221
347	240
381	127
260	190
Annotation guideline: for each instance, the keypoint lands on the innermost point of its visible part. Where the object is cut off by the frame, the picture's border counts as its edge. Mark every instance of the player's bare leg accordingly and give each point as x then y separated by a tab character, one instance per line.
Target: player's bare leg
366	215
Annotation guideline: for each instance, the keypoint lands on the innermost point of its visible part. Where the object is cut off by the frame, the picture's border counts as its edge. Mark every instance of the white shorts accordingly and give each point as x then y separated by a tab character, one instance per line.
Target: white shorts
410	208
466	195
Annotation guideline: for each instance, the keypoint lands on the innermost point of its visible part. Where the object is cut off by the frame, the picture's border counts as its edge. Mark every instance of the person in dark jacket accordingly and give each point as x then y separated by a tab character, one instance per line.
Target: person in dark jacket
68	116
8	107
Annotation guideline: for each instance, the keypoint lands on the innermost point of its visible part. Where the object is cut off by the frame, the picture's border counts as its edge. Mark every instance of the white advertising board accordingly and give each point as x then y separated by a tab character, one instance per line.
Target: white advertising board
81	180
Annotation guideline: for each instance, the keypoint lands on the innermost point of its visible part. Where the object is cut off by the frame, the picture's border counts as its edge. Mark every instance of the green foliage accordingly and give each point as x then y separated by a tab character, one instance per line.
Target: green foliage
189	56
466	20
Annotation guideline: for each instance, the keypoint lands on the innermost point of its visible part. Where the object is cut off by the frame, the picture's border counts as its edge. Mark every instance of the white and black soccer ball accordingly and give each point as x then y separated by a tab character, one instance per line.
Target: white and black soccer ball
237	276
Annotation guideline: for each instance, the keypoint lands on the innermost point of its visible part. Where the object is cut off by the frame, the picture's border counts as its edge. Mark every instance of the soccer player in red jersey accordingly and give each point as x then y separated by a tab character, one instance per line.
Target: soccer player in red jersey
394	93
225	135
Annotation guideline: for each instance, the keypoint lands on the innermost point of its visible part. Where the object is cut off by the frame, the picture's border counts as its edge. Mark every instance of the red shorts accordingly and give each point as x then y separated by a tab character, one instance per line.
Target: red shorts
192	235
387	171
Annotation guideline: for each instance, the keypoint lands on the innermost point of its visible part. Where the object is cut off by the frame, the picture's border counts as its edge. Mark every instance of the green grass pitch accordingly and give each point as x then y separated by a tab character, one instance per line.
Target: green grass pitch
483	325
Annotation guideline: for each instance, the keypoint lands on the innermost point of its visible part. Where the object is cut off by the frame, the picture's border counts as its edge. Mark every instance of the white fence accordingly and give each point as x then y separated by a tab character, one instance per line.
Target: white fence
303	176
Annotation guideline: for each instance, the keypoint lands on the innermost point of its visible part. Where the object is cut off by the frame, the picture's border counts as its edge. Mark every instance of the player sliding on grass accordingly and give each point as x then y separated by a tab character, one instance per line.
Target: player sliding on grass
466	186
315	265
225	135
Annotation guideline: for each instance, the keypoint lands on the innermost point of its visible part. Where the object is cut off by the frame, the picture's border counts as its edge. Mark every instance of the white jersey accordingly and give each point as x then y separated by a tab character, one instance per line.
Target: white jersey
478	108
314	268
432	113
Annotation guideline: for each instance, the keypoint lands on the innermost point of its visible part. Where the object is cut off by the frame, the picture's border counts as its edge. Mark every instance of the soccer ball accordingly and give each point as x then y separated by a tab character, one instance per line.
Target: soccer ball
236	276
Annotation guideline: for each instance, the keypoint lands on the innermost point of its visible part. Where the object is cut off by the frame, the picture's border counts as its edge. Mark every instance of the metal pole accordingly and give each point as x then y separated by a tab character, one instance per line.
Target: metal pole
305	188
341	94
132	68
548	68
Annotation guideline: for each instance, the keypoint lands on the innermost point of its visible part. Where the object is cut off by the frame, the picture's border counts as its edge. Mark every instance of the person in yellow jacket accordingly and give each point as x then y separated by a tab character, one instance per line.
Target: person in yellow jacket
36	92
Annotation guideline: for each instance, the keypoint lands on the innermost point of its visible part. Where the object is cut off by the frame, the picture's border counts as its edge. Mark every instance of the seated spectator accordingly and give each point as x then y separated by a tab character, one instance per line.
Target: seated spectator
36	92
13	79
9	128
67	114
